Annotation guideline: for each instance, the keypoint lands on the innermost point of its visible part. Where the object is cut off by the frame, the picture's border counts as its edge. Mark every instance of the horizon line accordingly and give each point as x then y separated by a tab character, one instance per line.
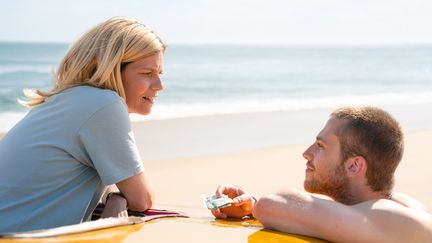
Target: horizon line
242	44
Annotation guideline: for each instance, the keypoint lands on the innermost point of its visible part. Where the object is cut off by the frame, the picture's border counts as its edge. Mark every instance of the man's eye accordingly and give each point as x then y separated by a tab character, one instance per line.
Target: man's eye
320	145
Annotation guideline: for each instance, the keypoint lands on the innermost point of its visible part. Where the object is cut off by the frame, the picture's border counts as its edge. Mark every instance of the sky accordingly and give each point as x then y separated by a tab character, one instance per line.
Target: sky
250	22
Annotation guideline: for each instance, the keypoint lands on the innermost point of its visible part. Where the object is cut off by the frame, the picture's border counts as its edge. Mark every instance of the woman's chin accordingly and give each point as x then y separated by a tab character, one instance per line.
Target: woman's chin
142	112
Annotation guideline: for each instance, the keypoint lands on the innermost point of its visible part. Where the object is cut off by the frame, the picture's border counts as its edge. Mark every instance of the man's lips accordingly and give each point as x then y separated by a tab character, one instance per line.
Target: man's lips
309	166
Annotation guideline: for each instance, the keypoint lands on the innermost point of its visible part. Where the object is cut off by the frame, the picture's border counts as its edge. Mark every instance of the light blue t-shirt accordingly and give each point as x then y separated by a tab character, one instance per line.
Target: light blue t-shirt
57	161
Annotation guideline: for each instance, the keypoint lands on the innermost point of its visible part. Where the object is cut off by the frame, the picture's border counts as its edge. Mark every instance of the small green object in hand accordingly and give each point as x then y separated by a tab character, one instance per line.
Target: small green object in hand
214	202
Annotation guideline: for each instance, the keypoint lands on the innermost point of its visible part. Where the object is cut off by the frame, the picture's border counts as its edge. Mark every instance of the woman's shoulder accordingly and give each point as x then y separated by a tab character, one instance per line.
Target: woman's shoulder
84	100
89	96
91	92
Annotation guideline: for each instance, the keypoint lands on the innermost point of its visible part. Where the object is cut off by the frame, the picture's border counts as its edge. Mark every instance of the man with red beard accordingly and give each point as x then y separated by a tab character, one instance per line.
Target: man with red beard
349	180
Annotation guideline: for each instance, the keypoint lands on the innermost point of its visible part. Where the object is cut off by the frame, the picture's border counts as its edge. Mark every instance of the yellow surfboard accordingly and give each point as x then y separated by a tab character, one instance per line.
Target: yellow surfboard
199	227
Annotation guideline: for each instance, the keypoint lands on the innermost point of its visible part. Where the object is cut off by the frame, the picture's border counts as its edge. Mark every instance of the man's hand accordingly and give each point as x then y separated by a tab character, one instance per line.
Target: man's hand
116	206
242	205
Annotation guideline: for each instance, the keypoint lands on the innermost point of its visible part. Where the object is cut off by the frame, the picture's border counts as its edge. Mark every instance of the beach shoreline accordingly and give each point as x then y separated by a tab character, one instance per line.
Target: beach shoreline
226	133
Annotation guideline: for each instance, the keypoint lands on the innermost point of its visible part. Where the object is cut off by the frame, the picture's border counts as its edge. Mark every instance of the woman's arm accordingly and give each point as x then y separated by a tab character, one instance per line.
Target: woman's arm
115	205
137	191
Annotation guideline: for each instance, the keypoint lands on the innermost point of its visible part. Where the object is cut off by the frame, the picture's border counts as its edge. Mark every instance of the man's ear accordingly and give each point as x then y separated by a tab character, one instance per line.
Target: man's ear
355	166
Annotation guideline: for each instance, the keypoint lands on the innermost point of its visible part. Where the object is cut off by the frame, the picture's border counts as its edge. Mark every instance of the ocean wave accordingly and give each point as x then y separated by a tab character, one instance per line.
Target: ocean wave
177	110
24	79
23	71
163	111
30	62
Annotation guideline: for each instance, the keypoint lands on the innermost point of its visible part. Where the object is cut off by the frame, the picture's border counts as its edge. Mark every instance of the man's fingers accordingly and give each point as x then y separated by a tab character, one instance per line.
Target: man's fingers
240	190
220	190
215	211
221	216
242	199
231	191
218	214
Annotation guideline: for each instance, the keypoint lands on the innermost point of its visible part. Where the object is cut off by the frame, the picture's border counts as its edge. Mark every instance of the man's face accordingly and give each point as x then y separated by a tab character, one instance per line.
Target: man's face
325	172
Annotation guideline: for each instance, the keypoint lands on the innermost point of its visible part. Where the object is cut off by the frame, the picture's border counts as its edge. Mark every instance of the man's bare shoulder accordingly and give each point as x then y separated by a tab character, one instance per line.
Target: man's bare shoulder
408	201
402	223
385	206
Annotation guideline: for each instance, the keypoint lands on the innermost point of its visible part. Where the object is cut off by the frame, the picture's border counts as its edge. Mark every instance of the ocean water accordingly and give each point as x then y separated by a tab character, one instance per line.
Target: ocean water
203	80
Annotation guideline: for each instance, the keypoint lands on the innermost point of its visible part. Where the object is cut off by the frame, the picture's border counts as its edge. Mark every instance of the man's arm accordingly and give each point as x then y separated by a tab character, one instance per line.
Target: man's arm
299	212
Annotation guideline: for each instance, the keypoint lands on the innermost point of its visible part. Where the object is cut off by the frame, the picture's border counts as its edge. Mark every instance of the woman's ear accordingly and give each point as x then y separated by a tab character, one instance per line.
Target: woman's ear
355	166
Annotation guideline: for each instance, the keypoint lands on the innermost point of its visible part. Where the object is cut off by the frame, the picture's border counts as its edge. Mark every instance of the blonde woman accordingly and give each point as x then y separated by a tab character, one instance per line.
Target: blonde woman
77	141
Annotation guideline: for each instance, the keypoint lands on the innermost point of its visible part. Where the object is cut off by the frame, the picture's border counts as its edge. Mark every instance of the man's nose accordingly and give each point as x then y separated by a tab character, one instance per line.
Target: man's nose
307	153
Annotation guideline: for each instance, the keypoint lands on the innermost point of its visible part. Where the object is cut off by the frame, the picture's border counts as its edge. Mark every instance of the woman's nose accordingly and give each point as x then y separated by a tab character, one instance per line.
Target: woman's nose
157	84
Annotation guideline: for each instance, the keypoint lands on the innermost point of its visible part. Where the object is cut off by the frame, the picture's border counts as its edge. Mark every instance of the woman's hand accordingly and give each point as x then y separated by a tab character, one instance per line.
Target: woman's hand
242	205
116	206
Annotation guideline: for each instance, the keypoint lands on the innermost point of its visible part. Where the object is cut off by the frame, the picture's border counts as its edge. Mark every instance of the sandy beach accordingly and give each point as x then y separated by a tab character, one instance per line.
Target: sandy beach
262	152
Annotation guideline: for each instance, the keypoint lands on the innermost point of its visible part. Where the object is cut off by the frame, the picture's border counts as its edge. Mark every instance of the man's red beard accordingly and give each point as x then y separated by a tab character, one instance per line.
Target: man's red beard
334	185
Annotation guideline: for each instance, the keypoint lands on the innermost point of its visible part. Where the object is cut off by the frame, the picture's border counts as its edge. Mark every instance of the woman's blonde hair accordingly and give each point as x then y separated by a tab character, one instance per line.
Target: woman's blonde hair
97	58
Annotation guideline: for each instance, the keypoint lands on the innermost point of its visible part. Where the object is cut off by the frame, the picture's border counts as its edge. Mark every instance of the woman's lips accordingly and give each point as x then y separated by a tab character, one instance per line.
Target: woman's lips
149	99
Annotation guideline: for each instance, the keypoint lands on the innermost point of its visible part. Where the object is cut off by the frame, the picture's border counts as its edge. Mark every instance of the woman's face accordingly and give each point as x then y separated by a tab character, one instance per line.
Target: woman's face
141	82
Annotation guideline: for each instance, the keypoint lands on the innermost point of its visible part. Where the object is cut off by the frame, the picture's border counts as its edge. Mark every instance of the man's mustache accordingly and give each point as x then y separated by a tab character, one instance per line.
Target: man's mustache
310	165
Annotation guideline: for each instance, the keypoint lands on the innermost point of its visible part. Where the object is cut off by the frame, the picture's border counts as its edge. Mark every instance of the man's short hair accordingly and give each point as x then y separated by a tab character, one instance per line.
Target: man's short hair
374	134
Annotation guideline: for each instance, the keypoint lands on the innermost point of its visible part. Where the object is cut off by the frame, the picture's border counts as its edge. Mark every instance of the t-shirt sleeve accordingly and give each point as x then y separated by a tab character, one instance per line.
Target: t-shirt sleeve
108	140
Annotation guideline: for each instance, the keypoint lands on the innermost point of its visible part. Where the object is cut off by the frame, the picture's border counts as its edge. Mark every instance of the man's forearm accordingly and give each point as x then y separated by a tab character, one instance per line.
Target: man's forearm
299	212
287	211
